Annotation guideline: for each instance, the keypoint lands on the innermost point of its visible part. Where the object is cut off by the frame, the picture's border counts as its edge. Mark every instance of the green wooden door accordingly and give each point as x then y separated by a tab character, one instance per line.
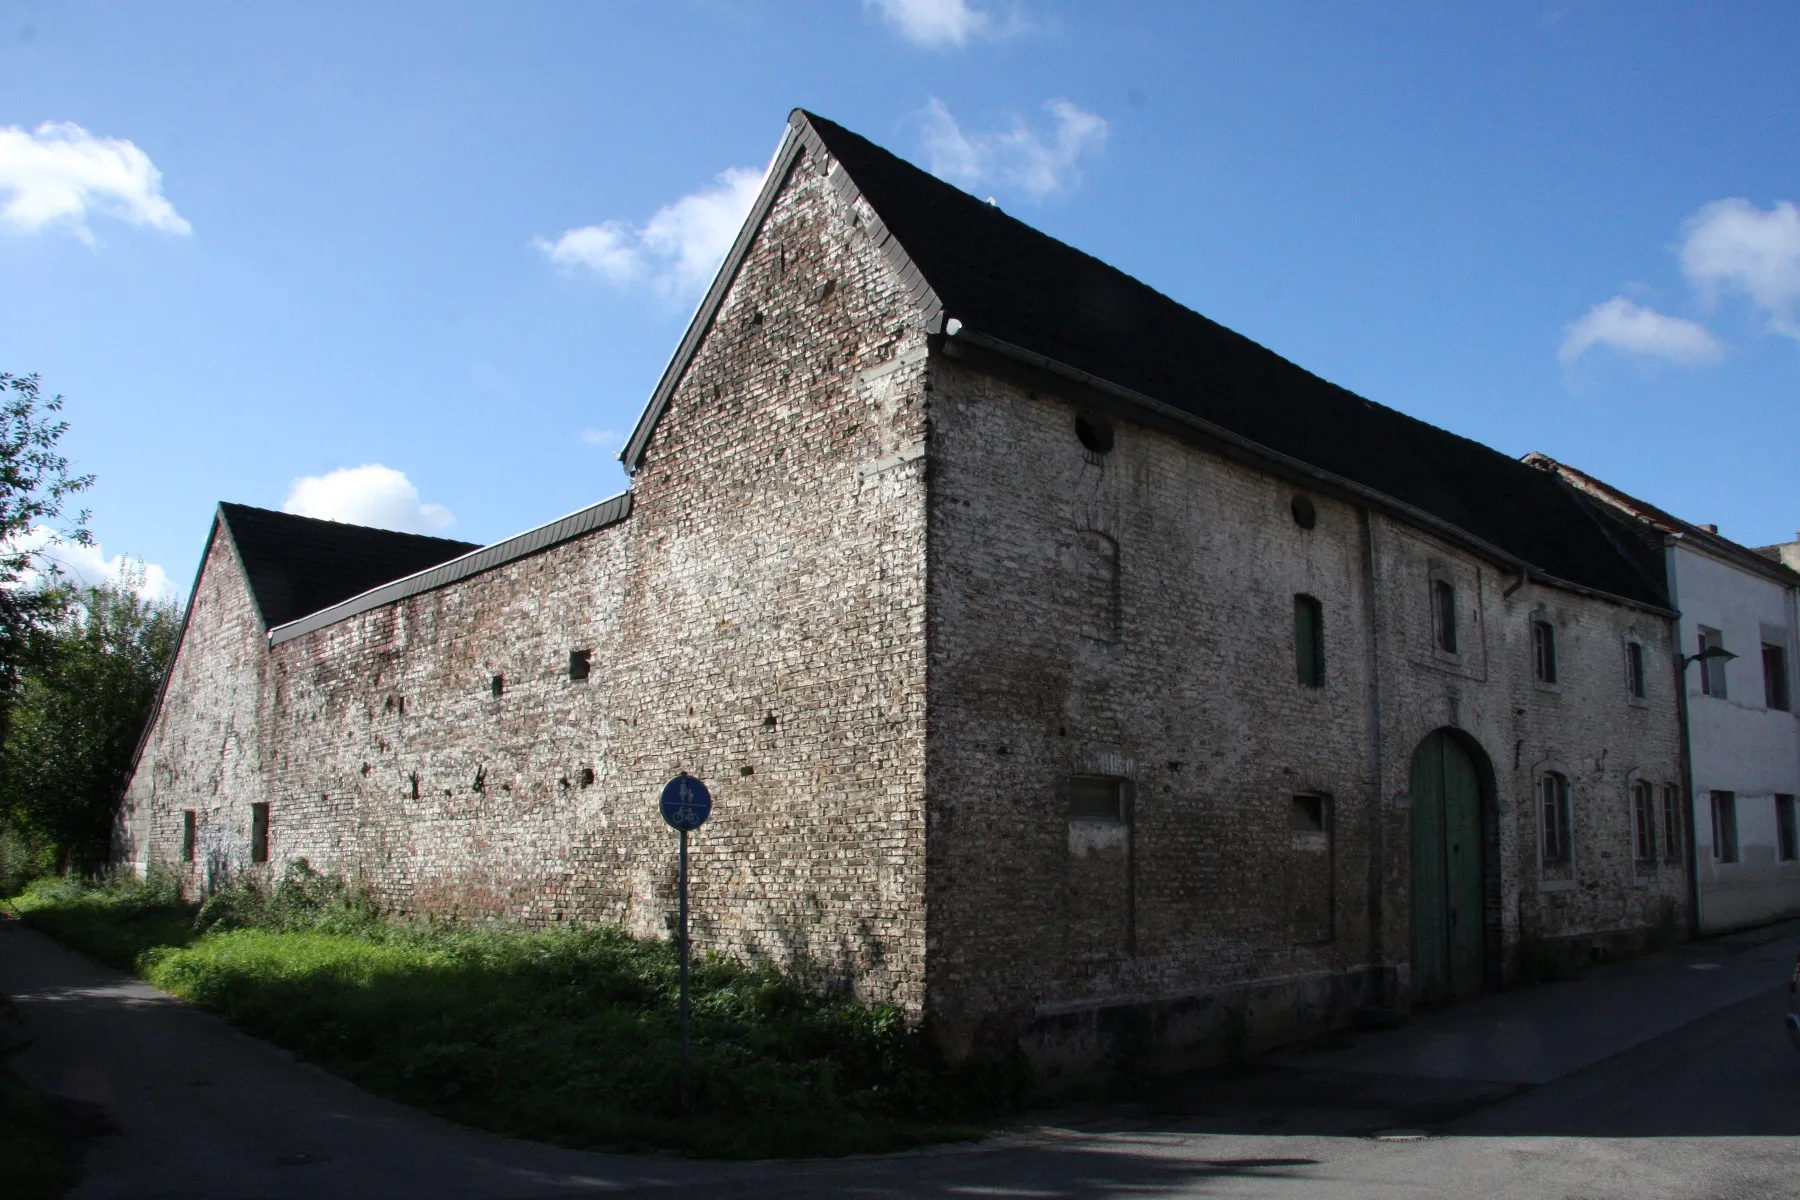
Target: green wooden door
1447	926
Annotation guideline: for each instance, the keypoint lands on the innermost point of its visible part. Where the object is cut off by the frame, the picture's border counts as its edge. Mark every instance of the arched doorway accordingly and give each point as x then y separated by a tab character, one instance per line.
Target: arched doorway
1449	950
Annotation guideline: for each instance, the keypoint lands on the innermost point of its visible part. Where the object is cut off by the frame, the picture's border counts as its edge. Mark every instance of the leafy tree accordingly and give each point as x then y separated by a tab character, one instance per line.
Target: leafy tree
35	484
78	712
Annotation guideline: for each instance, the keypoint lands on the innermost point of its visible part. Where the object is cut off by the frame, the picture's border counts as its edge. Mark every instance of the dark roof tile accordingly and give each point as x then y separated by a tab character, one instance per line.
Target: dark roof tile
1008	281
299	565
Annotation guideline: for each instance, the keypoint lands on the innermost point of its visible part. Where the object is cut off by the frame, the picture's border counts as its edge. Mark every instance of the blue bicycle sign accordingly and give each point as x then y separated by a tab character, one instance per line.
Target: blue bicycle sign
686	803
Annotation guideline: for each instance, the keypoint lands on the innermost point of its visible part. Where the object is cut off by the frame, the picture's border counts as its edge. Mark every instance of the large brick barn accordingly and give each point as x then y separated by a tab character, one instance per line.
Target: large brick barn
1066	666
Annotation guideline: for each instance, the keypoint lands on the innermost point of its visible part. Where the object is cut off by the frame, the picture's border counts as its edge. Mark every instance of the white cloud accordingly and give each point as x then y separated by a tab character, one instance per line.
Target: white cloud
1734	246
59	174
367	495
1627	326
676	251
606	439
89	566
1017	157
945	24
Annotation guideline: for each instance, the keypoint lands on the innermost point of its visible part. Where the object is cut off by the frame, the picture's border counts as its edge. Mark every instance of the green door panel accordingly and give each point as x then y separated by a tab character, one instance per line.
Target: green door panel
1448	948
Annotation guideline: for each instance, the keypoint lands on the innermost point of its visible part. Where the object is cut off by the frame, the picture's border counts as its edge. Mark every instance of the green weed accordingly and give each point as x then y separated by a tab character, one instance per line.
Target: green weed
567	1035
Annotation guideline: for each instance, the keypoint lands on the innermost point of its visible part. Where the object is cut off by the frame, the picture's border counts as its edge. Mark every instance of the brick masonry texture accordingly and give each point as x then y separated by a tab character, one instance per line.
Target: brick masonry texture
888	606
757	622
1198	705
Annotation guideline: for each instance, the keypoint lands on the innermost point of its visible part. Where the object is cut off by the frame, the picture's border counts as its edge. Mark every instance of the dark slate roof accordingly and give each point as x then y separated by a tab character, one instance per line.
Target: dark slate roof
298	565
1006	281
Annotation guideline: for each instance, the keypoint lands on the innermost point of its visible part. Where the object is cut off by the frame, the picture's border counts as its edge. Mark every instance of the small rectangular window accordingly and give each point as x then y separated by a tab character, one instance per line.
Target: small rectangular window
498	685
1443	614
1096	798
1309	641
1712	670
1724	827
1543	651
1553	802
187	835
579	664
1310	813
1643	823
259	833
1775	678
1671	823
1634	669
1787	829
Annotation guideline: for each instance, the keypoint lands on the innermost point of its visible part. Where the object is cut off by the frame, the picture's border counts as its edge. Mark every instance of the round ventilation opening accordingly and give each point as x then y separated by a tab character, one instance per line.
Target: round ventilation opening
1305	515
1095	432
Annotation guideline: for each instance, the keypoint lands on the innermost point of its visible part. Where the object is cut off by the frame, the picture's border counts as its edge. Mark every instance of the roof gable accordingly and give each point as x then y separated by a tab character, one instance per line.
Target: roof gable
1012	287
298	565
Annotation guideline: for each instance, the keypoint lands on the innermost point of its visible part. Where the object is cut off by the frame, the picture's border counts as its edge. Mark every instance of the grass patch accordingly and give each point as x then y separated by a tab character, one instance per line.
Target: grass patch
567	1035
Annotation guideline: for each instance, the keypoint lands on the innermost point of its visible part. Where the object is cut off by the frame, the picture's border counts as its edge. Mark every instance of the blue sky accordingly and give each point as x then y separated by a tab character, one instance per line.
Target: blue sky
260	246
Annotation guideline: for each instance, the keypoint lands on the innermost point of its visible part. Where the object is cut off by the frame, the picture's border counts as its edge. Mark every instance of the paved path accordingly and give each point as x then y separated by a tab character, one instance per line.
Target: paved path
1536	1034
1706	1103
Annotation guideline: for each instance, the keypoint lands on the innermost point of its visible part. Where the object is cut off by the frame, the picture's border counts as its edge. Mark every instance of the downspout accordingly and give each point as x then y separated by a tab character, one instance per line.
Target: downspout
1386	994
1687	753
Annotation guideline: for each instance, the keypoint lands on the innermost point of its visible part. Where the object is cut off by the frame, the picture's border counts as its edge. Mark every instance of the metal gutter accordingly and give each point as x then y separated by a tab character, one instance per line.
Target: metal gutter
1288	465
532	541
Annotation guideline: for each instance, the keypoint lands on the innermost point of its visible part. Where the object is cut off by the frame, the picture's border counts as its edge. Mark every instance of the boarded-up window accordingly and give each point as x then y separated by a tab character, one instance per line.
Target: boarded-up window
1097	585
1099	902
1309	641
187	835
259	833
1310	868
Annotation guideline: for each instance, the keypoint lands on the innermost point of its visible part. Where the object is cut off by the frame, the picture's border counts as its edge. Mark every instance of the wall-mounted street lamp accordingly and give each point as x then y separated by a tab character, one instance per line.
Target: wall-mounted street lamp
1710	654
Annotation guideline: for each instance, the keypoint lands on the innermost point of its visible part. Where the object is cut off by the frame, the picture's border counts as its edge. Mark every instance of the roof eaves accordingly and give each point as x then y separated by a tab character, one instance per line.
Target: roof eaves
1288	465
532	541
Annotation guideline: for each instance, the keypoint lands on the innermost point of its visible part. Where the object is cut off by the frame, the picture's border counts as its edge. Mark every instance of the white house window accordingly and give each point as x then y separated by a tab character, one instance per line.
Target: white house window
1775	677
1712	670
1724	827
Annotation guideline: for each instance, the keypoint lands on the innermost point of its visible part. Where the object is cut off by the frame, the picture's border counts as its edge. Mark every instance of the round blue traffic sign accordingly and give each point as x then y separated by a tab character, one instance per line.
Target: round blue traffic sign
686	803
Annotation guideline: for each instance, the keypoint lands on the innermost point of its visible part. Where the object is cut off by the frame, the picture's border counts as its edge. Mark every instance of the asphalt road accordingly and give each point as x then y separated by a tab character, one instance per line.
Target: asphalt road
1701	1106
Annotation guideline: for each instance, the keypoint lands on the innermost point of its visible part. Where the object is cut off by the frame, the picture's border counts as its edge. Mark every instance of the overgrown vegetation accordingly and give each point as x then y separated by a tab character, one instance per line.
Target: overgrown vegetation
78	709
566	1035
79	664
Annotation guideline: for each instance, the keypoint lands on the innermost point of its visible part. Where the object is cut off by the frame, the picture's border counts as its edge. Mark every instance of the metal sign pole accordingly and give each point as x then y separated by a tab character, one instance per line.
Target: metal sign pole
685	806
685	1105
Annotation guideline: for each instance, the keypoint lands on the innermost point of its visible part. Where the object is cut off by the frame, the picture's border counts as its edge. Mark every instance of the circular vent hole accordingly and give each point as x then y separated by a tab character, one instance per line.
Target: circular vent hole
1095	432
1305	515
